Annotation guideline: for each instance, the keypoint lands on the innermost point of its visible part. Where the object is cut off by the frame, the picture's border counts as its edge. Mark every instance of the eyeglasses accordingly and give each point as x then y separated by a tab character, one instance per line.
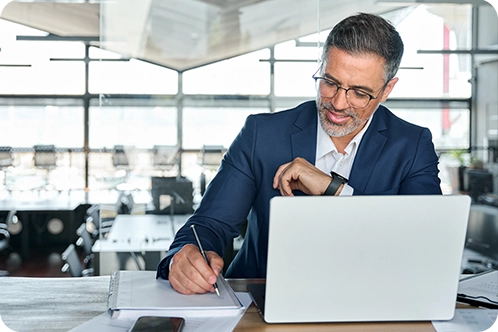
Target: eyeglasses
356	98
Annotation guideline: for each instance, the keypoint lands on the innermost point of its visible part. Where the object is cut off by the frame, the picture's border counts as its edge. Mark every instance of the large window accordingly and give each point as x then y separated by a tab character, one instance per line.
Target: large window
137	104
37	122
139	126
243	75
213	126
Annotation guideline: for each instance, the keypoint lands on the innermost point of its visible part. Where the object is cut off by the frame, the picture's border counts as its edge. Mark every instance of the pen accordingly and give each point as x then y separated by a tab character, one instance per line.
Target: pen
215	285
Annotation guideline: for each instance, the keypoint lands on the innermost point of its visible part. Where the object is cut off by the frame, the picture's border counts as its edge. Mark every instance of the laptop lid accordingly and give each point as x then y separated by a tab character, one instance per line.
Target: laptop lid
364	258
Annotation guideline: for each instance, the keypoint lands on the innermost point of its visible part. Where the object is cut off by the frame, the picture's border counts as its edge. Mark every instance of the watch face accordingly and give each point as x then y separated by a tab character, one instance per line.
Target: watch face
340	177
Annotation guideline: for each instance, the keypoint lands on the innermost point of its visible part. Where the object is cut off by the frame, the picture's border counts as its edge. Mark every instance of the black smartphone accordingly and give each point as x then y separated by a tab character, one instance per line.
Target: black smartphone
158	324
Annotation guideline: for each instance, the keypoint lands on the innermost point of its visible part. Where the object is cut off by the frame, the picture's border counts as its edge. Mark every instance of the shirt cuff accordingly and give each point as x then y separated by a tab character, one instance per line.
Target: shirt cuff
347	190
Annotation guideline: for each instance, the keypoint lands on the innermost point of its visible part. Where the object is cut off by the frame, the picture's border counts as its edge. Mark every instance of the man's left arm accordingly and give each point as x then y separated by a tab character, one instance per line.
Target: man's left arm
423	178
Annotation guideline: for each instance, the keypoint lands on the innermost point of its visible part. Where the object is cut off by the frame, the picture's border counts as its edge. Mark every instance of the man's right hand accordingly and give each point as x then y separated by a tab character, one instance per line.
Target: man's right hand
190	274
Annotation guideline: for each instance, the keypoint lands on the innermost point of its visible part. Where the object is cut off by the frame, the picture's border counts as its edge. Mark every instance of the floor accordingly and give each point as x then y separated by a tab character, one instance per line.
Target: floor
48	263
41	263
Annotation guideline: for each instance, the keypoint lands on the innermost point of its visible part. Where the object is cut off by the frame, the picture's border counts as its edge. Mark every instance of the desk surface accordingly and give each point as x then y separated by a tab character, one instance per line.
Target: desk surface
60	304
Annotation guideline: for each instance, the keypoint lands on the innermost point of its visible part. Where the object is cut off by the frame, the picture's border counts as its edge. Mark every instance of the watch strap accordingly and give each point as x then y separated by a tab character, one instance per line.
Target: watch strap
334	185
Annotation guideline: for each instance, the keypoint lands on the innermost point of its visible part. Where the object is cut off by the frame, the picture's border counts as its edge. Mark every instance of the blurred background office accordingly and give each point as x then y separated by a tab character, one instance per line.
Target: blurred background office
112	108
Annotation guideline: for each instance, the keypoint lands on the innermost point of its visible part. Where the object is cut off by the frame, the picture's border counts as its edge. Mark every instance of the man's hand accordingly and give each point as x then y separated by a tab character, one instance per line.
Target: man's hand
299	174
189	272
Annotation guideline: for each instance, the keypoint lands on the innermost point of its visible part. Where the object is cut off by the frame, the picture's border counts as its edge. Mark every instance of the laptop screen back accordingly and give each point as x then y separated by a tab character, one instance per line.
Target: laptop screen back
364	258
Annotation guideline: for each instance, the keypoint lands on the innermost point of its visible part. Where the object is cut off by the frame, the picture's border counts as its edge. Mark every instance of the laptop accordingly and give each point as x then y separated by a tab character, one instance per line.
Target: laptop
363	258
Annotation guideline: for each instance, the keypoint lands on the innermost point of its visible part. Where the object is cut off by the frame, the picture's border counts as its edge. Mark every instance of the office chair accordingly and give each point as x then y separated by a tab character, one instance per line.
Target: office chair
211	160
119	158
95	224
4	237
4	244
85	241
8	227
122	165
6	162
45	158
212	155
13	223
73	263
165	157
125	203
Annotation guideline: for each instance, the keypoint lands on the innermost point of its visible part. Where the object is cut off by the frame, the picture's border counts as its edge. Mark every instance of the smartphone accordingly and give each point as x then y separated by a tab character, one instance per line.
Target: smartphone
158	324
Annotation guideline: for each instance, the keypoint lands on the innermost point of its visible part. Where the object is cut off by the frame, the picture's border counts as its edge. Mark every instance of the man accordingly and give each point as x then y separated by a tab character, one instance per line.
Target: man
368	149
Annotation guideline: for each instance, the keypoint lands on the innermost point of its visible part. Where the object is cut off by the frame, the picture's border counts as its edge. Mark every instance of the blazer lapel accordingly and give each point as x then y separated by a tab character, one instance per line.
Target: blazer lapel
368	153
303	140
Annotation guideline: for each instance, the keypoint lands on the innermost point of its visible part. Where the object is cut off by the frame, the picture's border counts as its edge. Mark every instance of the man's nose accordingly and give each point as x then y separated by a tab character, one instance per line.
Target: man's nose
340	100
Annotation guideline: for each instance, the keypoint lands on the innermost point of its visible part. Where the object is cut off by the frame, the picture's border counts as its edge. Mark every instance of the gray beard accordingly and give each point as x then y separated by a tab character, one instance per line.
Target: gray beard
337	130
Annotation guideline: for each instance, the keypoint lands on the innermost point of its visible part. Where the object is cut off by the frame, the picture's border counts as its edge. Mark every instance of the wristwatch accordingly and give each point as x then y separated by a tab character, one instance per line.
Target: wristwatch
334	185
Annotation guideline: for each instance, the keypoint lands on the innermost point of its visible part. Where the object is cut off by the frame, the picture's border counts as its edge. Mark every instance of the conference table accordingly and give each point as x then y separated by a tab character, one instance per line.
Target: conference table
148	234
60	304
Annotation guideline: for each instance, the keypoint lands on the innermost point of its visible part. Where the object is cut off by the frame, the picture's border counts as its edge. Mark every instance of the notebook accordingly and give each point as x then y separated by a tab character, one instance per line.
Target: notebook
363	258
138	293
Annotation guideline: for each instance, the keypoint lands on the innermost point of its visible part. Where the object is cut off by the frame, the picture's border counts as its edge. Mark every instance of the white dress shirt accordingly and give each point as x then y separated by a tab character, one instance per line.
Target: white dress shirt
328	159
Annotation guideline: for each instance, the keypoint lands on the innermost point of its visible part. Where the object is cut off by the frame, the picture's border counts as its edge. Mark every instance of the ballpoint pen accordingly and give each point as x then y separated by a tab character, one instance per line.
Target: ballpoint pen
215	285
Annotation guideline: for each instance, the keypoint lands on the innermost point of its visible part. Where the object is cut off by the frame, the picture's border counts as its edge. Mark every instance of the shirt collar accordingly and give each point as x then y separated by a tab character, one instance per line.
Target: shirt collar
325	144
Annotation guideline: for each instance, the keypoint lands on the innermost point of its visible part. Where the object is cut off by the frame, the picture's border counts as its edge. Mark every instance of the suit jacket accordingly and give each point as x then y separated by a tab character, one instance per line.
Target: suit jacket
394	158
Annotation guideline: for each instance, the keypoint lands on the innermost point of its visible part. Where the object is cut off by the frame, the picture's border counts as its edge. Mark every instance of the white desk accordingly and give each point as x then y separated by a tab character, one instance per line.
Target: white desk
149	234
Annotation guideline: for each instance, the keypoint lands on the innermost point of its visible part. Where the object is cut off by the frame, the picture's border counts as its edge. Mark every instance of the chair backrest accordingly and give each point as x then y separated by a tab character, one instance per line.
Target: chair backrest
86	242
125	203
73	263
85	239
4	237
165	155
13	223
119	156
45	156
212	155
5	156
92	219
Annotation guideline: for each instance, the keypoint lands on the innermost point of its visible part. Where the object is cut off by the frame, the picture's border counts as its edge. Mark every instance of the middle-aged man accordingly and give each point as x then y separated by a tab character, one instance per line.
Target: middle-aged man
345	143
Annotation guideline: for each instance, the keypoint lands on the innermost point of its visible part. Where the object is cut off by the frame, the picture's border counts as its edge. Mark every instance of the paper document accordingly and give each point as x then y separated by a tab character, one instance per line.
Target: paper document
469	320
480	290
104	323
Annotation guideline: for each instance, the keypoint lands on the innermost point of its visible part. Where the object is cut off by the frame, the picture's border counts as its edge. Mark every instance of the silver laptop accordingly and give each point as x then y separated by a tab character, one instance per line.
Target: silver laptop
363	258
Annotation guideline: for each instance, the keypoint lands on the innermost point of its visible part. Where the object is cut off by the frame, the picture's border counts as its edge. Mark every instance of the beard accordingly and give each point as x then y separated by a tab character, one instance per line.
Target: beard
338	130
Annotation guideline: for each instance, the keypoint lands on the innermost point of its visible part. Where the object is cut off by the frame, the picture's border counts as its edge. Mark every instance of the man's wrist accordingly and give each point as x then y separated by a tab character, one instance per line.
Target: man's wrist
336	185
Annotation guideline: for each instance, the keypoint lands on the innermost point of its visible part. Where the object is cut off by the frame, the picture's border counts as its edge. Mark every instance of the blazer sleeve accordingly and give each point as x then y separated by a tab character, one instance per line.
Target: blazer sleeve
422	178
226	202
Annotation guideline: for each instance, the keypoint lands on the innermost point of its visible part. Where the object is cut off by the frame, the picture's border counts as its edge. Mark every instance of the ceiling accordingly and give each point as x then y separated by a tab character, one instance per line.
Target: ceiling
184	34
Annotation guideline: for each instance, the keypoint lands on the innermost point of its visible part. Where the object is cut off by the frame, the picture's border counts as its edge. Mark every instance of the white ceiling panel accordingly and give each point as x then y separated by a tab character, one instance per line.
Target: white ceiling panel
184	34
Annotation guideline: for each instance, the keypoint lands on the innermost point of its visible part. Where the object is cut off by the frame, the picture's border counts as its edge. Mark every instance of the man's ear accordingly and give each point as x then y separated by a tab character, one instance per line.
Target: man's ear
389	87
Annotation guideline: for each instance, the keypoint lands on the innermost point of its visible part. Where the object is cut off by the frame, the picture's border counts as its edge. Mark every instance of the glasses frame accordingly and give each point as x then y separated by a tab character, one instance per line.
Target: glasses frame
316	78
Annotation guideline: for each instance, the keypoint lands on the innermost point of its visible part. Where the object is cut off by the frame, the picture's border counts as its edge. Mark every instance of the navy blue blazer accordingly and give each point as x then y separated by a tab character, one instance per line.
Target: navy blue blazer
393	158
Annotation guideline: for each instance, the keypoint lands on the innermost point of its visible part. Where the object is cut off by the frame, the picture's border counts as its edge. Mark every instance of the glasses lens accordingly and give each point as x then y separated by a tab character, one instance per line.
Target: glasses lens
358	98
326	88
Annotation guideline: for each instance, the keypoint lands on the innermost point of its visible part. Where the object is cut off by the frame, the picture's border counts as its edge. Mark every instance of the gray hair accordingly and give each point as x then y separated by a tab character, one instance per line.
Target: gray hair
368	33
